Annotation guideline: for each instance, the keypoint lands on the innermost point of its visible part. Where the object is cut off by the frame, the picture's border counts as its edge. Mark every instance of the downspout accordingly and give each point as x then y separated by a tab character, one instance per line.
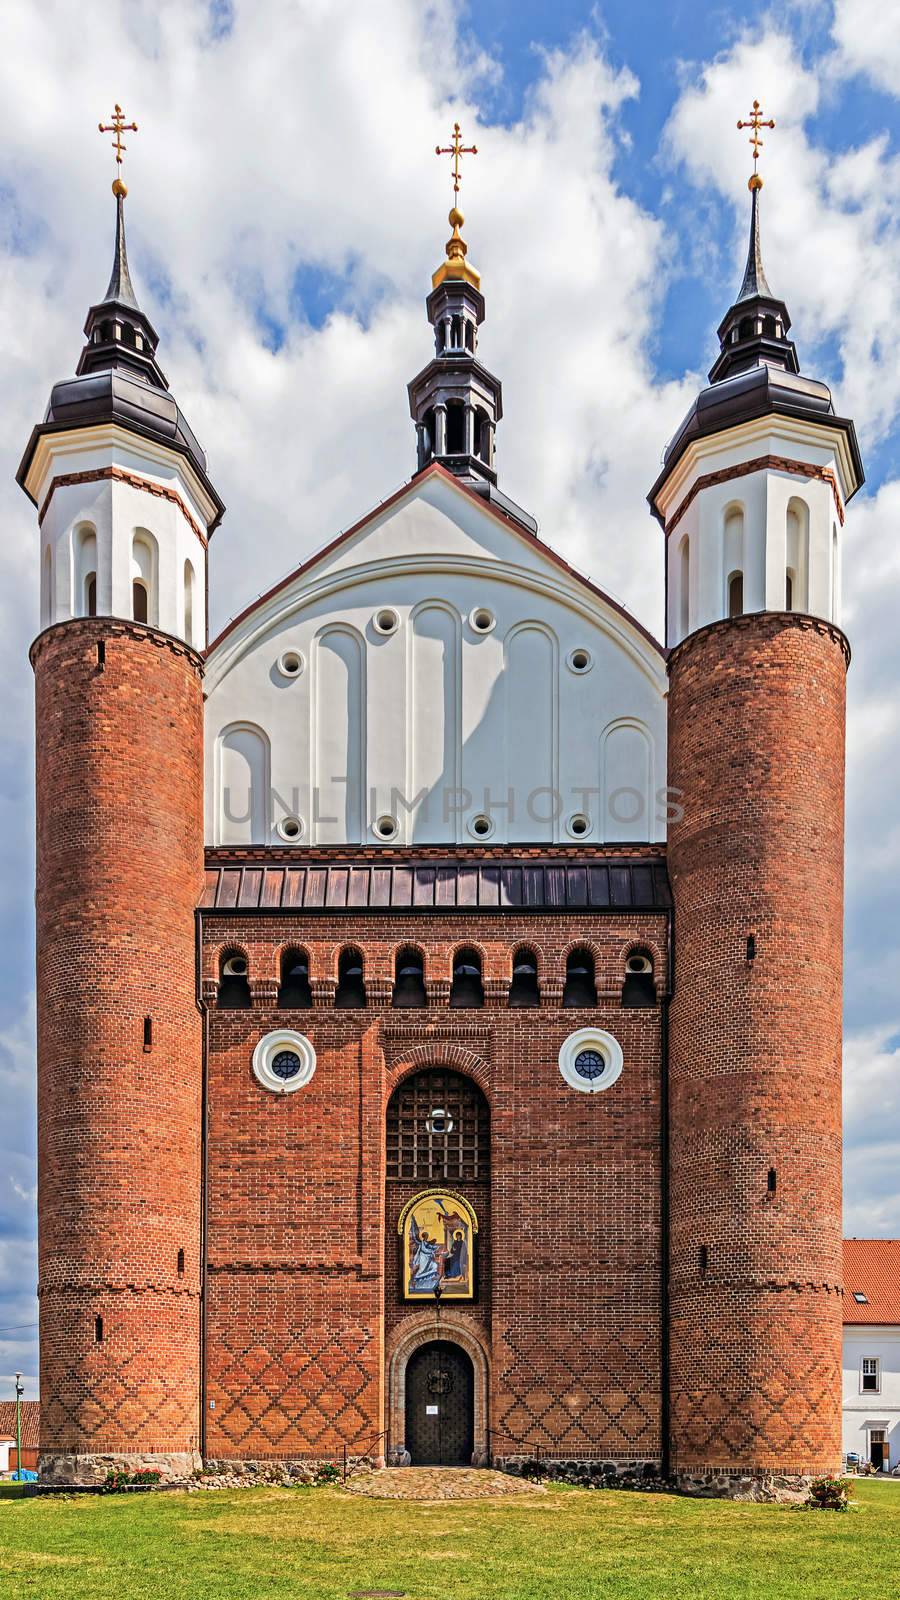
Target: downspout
204	1165
665	1364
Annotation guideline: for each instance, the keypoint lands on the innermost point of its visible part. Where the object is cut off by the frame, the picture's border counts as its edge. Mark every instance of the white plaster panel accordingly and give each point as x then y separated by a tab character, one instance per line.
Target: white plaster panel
442	709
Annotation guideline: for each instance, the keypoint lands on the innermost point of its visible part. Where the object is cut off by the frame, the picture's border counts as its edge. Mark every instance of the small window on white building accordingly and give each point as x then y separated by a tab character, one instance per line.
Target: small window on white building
684	599
188	602
871	1375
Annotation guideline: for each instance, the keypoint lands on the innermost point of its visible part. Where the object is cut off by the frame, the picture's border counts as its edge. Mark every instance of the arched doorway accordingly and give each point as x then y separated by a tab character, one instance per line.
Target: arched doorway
440	1405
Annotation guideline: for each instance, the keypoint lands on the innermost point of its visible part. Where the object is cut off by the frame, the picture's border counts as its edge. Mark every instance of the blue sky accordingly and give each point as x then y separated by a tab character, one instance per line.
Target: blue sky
285	212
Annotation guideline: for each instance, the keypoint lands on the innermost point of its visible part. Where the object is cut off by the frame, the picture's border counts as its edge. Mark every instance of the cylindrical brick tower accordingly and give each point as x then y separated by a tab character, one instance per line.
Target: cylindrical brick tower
125	510
752	497
756	731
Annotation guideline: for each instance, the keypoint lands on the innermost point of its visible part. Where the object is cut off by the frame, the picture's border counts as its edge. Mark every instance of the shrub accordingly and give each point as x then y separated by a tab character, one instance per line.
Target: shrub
829	1494
118	1479
327	1473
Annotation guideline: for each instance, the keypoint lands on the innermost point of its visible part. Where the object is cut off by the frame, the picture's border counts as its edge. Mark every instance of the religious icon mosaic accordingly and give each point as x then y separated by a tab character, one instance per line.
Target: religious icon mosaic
437	1231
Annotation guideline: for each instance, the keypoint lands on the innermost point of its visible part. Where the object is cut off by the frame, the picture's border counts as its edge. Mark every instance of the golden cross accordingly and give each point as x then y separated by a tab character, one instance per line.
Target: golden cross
755	121
456	149
118	126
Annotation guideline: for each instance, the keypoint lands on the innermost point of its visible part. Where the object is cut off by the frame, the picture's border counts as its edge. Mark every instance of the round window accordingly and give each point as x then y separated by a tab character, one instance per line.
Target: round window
386	827
290	664
579	825
290	828
482	619
590	1059
481	826
579	660
284	1061
386	621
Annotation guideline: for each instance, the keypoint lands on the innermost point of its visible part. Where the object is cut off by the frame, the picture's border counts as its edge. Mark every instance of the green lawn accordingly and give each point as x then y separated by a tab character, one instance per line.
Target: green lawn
564	1545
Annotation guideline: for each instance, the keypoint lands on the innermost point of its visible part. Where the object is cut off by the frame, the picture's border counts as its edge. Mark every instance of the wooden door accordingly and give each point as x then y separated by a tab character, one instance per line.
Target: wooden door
440	1405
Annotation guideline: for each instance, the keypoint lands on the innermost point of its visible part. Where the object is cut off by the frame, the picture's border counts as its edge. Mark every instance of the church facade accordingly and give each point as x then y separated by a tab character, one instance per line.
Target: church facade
439	980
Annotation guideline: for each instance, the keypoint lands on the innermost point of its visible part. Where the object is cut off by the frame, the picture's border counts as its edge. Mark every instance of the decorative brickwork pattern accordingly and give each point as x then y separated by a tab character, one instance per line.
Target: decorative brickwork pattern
304	1278
134	481
119	867
742	469
756	730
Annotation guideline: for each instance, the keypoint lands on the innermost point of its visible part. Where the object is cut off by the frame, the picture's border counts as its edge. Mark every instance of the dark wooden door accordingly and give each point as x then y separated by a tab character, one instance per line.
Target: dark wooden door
440	1406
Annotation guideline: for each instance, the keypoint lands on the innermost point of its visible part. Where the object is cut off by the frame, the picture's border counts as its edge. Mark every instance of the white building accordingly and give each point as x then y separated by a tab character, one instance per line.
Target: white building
872	1351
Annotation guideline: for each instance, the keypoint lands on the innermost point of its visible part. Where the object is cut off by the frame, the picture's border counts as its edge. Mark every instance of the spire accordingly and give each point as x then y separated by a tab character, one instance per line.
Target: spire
120	289
754	330
754	282
455	402
118	334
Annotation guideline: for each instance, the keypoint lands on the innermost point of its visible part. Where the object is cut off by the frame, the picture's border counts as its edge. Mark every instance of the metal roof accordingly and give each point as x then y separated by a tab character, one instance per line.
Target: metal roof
507	883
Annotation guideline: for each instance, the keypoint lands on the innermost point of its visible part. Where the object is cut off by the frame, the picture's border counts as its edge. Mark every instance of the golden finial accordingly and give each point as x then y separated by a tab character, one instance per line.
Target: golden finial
456	265
118	126
755	121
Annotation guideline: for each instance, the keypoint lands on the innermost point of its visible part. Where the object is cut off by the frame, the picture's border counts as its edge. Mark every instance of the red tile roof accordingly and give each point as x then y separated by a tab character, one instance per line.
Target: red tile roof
872	1268
31	1422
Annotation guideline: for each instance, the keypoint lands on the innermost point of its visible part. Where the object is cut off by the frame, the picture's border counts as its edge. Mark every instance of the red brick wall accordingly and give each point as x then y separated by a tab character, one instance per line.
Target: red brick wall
756	744
303	1303
119	867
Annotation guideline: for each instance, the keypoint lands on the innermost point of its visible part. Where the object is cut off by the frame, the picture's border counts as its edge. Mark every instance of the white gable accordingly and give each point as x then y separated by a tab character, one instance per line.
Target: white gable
463	701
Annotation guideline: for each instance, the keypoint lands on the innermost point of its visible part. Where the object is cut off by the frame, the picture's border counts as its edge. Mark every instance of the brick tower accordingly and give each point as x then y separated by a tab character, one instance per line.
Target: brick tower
751	497
125	510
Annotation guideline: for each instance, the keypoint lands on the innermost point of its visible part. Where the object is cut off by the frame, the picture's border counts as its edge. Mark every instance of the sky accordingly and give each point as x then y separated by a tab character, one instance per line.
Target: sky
285	212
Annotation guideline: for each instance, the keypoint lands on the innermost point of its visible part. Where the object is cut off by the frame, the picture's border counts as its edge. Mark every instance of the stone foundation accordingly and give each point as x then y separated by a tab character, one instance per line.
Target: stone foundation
595	1474
66	1467
726	1483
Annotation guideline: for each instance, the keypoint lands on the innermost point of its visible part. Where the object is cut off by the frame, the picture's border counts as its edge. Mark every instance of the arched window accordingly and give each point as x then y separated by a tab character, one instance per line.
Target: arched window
456	427
438	1130
796	586
409	980
684	588
581	985
455	333
638	988
188	602
85	572
294	991
350	994
524	990
466	988
482	435
234	984
734	562
736	594
746	328
47	587
770	328
144	578
470	335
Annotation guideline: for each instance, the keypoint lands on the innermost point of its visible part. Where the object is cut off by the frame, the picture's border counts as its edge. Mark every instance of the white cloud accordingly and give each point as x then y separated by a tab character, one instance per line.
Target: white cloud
831	238
868	40
871	1124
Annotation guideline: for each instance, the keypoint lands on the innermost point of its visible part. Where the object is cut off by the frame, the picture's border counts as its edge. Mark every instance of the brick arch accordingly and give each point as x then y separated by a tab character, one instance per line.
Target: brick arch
439	1054
216	952
628	947
414	1331
280	950
348	944
538	950
409	944
468	944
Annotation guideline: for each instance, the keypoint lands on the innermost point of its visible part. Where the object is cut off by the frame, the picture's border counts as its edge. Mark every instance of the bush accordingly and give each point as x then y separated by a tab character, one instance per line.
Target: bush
118	1479
829	1494
327	1473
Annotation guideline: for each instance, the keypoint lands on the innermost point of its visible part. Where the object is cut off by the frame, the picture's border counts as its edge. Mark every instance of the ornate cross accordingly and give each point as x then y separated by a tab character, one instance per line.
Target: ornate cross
118	126
456	149
755	121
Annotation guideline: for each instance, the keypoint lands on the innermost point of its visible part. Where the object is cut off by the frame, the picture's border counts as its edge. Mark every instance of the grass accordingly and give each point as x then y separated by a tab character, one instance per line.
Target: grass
322	1543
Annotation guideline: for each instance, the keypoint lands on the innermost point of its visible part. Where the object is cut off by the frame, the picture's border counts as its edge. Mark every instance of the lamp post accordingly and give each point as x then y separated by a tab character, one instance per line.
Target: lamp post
20	1390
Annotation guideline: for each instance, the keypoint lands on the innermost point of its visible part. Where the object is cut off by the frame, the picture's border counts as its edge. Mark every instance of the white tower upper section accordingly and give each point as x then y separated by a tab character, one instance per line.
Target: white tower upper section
754	485
125	507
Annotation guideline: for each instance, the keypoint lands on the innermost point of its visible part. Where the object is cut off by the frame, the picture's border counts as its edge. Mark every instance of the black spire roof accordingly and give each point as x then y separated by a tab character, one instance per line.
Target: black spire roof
755	328
120	289
118	378
756	372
